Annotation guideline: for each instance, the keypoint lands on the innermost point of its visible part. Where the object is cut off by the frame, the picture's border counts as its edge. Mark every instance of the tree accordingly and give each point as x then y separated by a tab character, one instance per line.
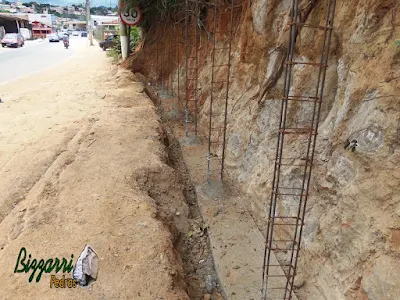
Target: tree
53	12
99	10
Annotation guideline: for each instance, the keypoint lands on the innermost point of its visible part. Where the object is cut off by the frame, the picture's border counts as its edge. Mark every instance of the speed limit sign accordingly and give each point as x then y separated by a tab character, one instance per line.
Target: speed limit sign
131	16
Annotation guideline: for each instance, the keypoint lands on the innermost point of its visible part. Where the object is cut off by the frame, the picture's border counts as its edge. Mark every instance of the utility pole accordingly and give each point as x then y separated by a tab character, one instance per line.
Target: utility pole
123	33
88	25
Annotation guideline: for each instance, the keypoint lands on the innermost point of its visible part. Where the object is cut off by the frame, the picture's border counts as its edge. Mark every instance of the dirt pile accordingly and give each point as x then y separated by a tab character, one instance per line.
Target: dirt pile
351	238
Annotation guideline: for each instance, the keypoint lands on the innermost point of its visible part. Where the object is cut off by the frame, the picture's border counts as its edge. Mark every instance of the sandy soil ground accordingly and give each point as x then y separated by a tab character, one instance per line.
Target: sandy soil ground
78	147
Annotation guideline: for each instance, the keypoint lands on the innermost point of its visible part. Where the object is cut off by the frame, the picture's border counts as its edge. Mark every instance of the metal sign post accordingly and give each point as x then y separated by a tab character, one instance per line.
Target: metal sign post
131	16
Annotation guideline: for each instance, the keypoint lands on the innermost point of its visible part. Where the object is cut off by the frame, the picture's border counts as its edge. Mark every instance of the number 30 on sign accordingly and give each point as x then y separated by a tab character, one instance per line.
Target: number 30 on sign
131	16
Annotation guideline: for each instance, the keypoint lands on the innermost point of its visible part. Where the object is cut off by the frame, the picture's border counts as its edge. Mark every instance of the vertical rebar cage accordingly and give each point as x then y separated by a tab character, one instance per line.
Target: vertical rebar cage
219	92
192	34
289	197
175	79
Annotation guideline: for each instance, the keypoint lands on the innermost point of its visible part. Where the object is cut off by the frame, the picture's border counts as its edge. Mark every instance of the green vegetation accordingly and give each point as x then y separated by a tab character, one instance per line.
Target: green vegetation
102	10
154	10
28	4
53	12
135	36
115	52
68	15
39	7
99	10
77	6
134	39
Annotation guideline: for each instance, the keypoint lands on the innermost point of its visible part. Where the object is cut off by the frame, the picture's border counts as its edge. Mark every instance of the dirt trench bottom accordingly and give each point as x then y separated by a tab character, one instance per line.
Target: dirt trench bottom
175	196
236	243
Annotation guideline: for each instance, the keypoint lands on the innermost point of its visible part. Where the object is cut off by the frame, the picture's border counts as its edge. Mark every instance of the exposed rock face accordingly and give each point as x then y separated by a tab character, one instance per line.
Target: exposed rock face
351	241
351	238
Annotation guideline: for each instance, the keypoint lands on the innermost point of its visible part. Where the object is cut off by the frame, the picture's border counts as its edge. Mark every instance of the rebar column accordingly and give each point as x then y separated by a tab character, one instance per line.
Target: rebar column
179	79
222	69
284	228
211	94
228	77
186	68
191	43
196	50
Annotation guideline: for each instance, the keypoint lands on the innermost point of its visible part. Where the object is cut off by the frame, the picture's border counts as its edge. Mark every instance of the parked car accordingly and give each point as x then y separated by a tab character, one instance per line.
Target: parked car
83	34
54	37
108	42
13	40
75	33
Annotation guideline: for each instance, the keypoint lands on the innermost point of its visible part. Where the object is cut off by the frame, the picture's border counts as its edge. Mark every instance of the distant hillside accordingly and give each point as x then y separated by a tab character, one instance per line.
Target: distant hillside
93	3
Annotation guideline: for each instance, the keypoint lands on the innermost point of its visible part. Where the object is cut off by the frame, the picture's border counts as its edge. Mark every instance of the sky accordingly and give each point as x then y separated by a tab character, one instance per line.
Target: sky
106	3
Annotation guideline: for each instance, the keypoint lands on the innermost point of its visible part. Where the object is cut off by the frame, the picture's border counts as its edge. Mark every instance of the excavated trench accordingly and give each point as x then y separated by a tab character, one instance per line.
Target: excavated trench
174	194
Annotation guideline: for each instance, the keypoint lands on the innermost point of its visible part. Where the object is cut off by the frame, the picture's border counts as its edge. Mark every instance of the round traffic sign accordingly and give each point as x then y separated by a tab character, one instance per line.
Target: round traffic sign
131	16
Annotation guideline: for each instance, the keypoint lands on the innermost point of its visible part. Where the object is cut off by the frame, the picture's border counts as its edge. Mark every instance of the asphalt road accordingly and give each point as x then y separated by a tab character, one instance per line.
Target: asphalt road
35	57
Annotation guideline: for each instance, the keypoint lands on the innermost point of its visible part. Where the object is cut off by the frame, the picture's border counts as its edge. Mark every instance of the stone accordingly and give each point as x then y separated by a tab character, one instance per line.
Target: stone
236	267
210	283
259	16
207	297
382	281
340	168
299	280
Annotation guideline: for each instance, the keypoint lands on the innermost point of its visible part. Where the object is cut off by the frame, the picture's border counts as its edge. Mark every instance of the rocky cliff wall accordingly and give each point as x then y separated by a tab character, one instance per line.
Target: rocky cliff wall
351	241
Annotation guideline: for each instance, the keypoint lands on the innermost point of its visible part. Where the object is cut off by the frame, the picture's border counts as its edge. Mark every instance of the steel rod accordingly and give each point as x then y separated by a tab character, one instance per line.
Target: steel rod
227	94
216	86
316	115
186	69
211	96
197	66
279	151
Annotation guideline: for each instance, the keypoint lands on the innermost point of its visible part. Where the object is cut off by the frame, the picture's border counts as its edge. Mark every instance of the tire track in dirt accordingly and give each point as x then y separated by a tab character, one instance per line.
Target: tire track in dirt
47	184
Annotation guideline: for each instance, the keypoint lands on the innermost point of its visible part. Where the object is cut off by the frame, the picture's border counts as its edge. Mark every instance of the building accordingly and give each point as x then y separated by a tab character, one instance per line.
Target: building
101	32
24	9
99	20
58	9
42	24
40	30
45	19
15	24
75	25
8	8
